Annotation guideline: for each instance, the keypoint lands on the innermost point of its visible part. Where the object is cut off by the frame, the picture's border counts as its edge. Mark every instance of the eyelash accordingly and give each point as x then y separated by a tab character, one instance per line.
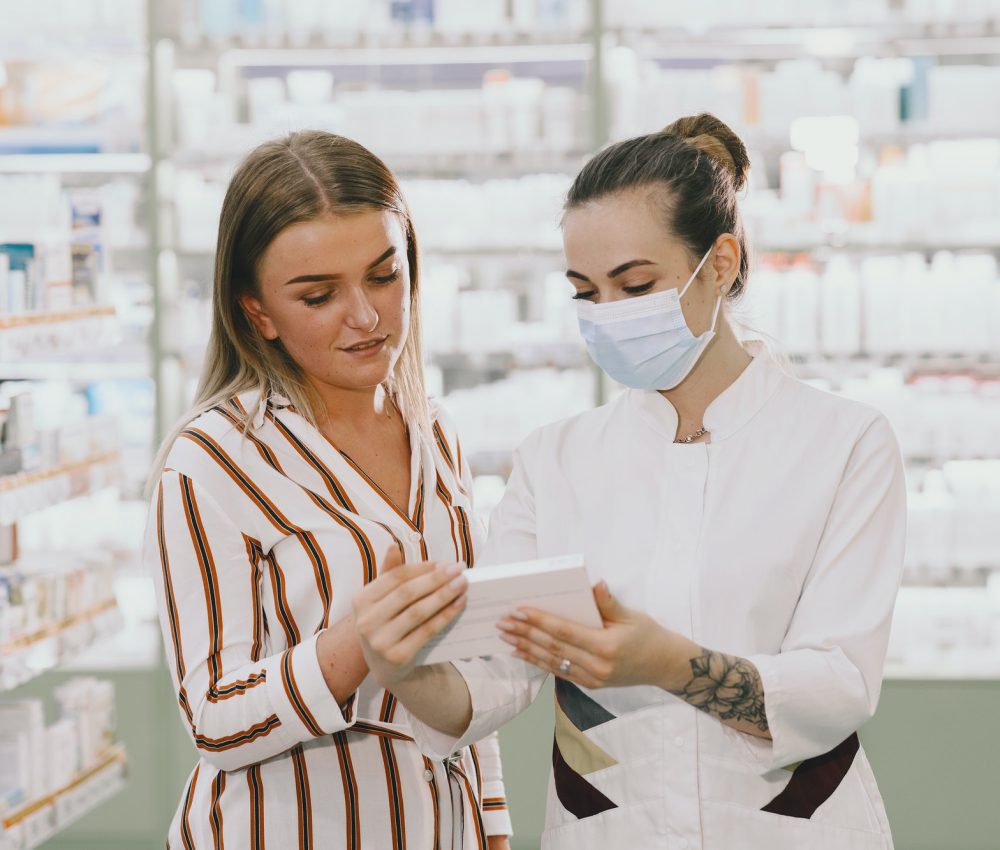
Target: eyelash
378	281
631	290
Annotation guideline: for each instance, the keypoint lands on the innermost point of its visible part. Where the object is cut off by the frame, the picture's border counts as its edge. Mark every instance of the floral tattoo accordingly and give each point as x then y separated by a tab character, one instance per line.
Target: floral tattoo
726	687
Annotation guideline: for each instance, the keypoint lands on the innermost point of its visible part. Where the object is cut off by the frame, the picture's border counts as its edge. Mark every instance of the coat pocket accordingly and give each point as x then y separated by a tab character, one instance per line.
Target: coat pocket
727	826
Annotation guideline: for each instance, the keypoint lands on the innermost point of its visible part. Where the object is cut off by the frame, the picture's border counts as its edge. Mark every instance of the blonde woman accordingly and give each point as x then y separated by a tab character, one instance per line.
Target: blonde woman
311	452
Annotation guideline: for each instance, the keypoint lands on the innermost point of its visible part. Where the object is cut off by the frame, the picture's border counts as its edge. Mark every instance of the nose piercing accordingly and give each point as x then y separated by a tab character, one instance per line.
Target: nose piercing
375	325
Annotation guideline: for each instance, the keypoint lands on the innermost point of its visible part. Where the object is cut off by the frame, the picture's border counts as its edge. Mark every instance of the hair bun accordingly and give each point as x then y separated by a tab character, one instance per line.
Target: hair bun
716	139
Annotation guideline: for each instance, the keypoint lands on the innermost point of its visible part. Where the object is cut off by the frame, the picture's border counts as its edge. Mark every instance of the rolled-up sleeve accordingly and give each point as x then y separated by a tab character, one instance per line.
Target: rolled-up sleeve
239	706
826	681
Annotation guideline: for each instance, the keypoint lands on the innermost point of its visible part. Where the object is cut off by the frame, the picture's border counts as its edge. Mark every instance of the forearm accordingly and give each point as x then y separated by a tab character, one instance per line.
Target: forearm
726	687
438	696
341	659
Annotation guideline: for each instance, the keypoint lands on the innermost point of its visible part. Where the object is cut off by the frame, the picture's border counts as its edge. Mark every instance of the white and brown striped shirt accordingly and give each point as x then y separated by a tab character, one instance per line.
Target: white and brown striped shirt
258	542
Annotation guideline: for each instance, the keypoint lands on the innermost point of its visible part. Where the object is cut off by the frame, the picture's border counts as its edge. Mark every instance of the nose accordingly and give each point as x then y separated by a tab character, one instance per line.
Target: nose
361	313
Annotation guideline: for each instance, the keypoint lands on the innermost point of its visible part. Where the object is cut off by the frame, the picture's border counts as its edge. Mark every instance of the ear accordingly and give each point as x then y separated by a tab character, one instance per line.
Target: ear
255	313
726	262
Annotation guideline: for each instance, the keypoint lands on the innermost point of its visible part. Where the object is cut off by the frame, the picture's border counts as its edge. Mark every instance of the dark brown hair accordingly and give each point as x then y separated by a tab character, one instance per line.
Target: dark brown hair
698	162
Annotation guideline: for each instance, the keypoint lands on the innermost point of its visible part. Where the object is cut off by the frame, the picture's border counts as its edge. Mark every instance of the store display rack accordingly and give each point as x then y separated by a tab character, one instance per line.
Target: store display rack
29	656
32	824
25	493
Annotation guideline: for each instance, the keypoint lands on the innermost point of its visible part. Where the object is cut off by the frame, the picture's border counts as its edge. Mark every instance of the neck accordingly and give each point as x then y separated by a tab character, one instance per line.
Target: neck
722	363
350	409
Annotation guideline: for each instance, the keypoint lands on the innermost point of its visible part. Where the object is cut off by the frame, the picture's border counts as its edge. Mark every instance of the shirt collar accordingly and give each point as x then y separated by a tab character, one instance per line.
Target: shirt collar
734	407
258	402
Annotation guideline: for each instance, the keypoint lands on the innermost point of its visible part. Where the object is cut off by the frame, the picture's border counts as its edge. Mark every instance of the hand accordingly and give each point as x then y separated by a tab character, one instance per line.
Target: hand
631	648
498	842
406	606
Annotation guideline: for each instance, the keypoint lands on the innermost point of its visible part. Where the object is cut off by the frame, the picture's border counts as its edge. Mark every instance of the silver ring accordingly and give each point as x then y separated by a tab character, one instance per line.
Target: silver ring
564	666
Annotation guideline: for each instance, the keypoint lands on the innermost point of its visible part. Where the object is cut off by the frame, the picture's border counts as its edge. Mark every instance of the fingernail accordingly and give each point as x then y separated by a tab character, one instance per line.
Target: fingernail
454	569
458	581
506	625
519	615
508	639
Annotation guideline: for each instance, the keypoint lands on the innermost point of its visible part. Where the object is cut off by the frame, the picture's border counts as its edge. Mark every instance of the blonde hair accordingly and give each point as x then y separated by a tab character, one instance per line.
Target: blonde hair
298	178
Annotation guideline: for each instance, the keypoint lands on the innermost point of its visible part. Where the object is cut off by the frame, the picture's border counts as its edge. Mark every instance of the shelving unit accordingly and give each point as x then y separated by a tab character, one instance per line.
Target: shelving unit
28	492
99	160
33	655
35	822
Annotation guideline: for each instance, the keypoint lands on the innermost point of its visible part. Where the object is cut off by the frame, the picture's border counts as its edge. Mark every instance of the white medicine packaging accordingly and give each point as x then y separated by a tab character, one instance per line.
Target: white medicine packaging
558	585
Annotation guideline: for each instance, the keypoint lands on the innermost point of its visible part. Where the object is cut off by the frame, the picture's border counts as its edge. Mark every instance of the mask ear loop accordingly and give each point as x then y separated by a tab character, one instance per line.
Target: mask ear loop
715	313
687	285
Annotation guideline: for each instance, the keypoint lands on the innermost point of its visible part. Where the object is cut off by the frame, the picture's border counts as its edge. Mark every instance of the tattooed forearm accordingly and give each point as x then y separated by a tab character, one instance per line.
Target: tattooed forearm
726	687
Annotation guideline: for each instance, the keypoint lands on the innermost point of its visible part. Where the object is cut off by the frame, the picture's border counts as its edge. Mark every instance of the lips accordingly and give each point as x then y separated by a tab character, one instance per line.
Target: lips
365	346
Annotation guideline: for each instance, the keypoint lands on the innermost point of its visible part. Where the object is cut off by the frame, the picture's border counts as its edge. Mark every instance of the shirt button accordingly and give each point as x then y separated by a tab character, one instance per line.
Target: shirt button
679	742
428	775
683	844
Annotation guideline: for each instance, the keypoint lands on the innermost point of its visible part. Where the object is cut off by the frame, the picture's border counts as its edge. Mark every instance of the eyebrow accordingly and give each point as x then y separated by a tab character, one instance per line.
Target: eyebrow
624	267
313	278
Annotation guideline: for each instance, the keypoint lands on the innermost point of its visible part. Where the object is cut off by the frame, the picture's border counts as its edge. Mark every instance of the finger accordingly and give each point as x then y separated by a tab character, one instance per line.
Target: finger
577	673
383	611
419	637
387	583
414	616
393	558
549	654
612	611
545	628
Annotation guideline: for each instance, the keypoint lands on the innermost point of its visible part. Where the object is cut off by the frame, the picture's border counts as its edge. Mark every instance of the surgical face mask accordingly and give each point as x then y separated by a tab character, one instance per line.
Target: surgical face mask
645	342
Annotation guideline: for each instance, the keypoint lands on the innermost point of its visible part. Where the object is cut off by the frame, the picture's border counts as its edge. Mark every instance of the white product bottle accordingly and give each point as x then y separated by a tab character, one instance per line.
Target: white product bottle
840	308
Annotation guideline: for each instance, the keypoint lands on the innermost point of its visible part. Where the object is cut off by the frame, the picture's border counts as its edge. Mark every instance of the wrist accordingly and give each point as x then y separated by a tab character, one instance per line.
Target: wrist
675	667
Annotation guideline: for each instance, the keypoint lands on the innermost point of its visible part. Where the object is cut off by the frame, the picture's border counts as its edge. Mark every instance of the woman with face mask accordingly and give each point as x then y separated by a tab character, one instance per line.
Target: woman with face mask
310	452
744	530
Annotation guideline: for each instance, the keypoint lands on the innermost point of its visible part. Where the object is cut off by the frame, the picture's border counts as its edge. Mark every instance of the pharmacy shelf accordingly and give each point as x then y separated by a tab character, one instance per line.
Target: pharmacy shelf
36	335
964	666
484	54
413	41
474	165
29	656
31	320
29	492
110	164
547	252
34	823
778	43
75	370
773	145
858	244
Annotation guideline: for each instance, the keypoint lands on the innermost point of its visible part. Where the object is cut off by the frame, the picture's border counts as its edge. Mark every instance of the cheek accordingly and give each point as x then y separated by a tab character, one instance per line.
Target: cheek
394	307
304	330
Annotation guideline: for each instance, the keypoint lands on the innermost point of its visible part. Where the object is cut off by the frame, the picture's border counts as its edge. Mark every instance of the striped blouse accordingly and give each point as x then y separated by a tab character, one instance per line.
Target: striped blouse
258	542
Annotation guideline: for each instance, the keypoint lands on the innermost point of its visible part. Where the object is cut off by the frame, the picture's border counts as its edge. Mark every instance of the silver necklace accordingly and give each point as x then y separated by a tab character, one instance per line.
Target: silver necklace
690	438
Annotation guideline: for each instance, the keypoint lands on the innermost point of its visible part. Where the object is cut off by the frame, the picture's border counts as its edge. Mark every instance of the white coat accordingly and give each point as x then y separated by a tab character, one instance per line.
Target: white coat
781	541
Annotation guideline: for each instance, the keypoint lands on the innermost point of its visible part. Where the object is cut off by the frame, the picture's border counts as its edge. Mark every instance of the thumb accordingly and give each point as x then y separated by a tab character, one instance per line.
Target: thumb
393	558
612	611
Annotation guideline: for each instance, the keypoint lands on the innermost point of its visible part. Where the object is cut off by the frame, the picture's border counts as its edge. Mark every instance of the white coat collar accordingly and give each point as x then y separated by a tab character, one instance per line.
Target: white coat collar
731	410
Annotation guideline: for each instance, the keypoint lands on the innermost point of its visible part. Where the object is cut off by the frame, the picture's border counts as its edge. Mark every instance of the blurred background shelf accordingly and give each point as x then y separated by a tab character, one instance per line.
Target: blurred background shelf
25	493
38	821
25	657
73	163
